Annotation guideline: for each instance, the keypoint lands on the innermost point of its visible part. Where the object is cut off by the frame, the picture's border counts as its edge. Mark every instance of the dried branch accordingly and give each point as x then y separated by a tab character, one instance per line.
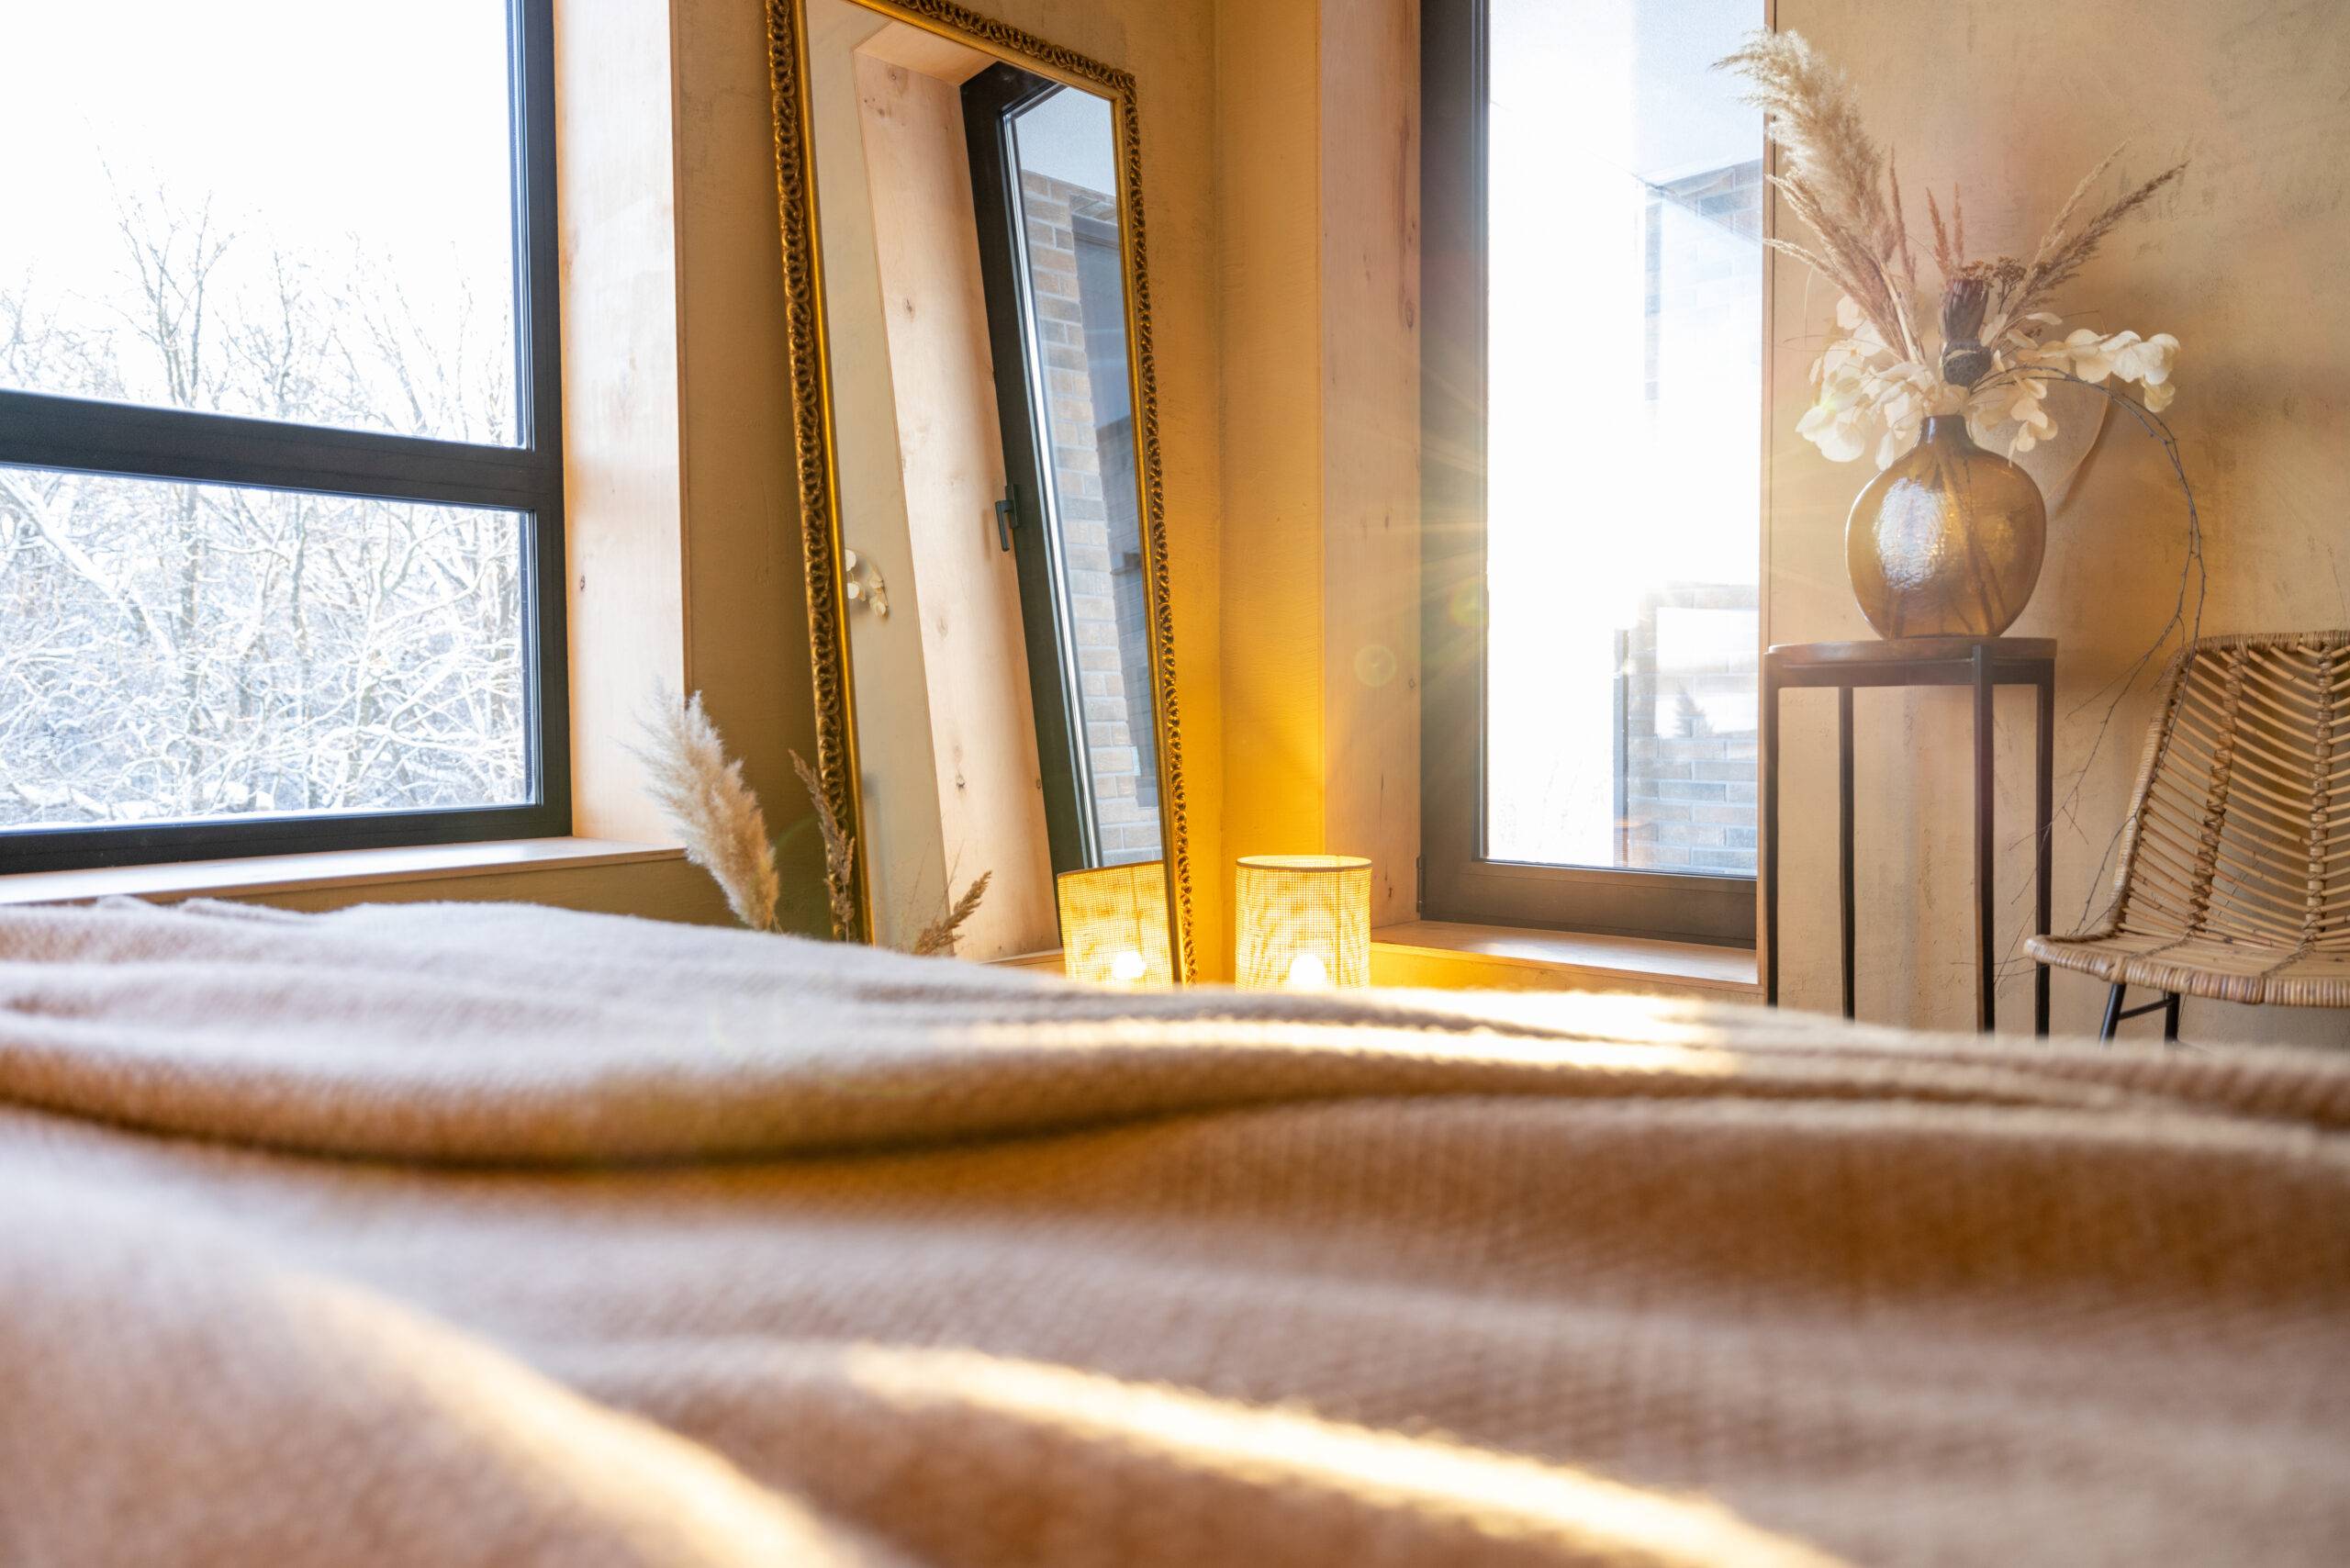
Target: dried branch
1948	257
2062	254
712	811
1900	226
940	935
2184	623
840	853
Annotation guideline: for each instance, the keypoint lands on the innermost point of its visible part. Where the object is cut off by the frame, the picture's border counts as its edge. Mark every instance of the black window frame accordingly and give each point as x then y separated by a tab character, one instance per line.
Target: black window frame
993	101
138	441
1458	882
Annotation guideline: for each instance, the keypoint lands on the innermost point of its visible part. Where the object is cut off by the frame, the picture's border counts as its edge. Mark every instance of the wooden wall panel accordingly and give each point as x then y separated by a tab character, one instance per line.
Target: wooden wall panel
898	771
1269	154
622	480
747	635
1370	442
989	800
1321	430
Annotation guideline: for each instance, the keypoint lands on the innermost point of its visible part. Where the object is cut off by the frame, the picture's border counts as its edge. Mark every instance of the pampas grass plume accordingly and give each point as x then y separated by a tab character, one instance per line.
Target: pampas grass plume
712	811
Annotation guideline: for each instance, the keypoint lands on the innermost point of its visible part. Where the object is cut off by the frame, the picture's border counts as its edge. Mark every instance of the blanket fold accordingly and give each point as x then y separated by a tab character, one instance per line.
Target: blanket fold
490	1234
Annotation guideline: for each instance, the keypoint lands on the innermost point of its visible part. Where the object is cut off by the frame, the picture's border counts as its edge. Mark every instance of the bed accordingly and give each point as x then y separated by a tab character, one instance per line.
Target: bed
489	1234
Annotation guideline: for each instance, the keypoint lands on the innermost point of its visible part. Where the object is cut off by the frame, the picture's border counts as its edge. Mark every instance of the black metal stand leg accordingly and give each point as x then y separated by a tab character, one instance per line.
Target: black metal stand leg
1770	717
2105	1031
1844	892
2170	1015
2044	839
1985	1001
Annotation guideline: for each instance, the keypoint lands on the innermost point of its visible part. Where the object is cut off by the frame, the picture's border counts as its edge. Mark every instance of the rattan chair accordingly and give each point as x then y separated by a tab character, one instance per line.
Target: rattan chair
2234	882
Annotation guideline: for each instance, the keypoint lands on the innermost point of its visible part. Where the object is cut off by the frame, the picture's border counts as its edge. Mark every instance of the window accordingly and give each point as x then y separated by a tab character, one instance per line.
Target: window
1593	273
281	522
1044	188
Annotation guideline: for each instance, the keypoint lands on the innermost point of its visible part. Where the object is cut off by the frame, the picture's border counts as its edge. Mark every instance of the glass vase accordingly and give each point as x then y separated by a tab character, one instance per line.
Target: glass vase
1946	541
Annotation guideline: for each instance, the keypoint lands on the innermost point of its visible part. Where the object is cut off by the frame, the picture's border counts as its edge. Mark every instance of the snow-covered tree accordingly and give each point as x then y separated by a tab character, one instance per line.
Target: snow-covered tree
173	650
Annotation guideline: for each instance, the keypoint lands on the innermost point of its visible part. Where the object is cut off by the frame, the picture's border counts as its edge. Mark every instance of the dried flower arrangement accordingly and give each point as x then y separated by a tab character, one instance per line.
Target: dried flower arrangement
718	819
1998	343
1999	347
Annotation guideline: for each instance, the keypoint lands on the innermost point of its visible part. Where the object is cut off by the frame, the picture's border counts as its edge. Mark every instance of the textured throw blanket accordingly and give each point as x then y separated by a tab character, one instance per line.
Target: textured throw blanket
489	1235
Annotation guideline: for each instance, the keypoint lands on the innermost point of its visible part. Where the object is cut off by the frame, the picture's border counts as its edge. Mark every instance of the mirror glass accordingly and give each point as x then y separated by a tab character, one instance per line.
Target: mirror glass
972	255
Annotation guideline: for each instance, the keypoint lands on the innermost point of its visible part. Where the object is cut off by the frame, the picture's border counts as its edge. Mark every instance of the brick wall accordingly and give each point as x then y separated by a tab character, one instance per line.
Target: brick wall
1687	747
1093	478
1689	802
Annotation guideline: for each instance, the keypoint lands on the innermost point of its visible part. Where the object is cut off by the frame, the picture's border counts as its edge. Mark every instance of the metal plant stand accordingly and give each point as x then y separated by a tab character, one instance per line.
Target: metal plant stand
1984	664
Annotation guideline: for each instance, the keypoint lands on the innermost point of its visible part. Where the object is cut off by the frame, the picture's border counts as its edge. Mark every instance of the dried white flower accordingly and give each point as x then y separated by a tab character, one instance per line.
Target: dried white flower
1870	400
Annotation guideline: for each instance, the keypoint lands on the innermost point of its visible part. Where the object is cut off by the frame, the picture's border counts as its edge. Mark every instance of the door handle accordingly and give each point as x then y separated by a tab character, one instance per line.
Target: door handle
1007	517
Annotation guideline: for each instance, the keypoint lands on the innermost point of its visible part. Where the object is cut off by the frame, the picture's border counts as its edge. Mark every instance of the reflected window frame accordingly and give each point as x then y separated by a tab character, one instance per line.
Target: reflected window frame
137	441
994	103
1456	880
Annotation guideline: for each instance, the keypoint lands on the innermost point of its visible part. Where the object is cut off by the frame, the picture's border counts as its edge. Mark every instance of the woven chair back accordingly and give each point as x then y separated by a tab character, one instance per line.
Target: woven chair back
2241	825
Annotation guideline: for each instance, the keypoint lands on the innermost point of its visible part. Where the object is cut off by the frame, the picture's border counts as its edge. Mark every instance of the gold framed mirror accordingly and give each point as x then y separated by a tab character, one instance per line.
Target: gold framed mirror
976	421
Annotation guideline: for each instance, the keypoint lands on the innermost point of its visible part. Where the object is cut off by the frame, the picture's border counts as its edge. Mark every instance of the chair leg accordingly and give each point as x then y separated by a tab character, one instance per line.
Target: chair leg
2112	1011
2170	1015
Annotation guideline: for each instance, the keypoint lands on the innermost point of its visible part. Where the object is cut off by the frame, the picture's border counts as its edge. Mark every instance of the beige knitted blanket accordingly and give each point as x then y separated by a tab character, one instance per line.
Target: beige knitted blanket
489	1235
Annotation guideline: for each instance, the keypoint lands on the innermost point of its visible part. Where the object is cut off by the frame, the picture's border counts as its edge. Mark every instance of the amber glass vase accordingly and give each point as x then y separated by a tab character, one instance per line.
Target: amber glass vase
1947	541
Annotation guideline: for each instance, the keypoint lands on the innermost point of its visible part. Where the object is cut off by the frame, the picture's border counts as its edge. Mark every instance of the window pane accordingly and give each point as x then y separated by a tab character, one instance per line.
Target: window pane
1076	307
204	652
282	208
1624	402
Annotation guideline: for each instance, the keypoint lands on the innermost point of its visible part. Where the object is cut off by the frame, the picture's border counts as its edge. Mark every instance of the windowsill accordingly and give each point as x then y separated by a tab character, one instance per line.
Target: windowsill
1046	959
1611	961
266	874
1494	957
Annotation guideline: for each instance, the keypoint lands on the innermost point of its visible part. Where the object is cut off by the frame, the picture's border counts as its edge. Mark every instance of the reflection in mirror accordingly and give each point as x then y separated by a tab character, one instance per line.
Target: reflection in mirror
999	609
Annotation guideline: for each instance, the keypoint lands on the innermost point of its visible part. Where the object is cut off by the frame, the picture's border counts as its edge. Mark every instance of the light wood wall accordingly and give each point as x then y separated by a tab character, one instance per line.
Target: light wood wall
1269	261
623	461
1321	433
986	795
902	843
1370	441
681	488
747	630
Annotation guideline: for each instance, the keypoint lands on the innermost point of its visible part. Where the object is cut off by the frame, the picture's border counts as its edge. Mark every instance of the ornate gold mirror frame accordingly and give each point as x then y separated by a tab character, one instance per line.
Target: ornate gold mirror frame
837	749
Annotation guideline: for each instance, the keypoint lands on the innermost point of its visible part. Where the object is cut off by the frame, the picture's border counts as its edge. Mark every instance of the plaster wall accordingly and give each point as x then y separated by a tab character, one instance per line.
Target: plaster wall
2244	262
